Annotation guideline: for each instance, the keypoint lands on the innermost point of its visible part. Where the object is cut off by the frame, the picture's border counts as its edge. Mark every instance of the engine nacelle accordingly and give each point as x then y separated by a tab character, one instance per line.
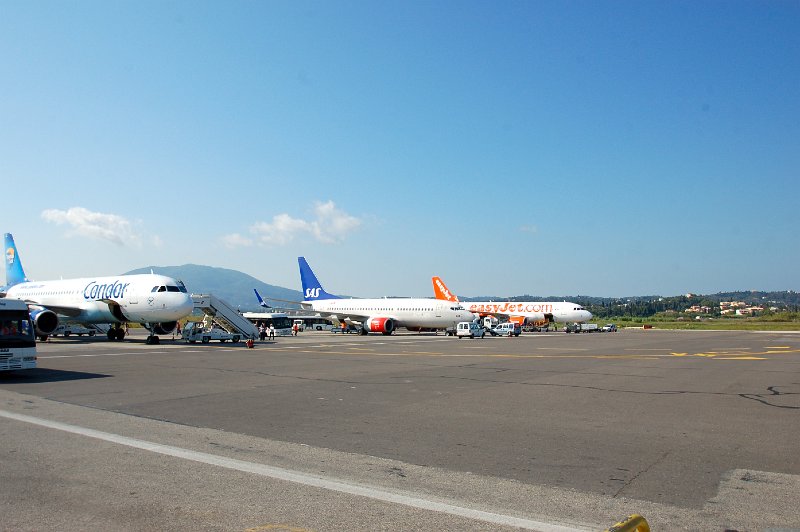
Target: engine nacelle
162	328
45	321
381	325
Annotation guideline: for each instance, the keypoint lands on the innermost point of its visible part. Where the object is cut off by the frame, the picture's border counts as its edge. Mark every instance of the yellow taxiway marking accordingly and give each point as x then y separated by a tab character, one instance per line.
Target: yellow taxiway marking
742	358
738	355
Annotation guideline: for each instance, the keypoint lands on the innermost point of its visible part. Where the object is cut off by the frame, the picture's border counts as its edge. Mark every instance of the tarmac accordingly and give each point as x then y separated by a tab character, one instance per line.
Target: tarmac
694	430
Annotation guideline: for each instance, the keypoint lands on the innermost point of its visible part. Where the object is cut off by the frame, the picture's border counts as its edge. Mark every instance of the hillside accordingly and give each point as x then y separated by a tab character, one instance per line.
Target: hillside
233	286
236	288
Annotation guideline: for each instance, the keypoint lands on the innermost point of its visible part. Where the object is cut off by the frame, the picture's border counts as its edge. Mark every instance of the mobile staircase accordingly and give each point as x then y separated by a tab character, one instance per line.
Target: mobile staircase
225	315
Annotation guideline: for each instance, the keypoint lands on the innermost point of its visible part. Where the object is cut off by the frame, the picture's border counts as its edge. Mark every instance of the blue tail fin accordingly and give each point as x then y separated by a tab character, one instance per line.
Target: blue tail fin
260	301
312	290
14	272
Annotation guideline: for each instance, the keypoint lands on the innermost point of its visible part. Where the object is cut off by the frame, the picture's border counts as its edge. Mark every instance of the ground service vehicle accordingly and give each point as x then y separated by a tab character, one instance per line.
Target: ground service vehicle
508	329
195	331
581	327
609	328
17	340
68	329
470	329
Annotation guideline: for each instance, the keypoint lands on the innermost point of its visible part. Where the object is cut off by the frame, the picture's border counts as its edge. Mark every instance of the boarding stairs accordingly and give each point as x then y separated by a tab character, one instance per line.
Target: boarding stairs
225	315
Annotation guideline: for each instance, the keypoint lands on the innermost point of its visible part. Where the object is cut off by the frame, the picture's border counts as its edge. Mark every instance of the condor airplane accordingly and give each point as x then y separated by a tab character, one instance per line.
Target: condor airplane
380	315
519	311
155	301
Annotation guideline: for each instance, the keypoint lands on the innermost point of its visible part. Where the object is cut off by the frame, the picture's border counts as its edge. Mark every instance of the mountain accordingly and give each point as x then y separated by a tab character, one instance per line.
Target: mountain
233	286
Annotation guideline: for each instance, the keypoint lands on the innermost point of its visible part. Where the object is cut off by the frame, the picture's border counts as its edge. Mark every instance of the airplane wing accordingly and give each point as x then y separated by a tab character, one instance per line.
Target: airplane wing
348	316
71	312
264	304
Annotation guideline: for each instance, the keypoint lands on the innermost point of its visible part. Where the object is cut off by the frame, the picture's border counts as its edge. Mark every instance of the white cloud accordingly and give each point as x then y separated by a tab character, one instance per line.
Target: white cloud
96	225
236	241
332	224
329	226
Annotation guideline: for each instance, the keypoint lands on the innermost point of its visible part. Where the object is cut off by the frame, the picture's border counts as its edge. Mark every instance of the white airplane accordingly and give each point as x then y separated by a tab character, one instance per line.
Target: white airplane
155	301
383	315
518	311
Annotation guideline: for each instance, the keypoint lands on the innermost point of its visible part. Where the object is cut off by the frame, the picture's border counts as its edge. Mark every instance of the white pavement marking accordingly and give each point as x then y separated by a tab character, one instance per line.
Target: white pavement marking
406	499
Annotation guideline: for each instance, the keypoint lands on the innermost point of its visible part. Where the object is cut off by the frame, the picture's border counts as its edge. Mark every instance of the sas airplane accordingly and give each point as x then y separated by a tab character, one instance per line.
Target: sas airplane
521	312
155	301
383	315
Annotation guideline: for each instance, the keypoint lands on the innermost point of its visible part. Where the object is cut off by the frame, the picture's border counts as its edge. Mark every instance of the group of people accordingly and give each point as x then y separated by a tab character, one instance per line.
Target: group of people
264	331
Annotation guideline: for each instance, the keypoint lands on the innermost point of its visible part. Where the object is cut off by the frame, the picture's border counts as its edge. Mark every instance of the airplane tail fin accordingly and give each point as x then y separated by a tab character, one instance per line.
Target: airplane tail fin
261	301
441	291
312	289
14	272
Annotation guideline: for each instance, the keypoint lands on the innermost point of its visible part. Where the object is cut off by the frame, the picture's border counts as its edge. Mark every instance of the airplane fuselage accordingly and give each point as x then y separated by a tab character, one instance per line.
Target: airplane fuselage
532	311
144	298
413	313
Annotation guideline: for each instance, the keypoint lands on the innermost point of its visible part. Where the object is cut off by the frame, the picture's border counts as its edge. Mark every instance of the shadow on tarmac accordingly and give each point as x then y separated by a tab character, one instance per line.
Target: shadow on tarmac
29	376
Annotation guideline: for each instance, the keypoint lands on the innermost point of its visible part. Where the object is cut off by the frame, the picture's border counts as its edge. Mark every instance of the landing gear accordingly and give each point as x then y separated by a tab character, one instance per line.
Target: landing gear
116	333
152	340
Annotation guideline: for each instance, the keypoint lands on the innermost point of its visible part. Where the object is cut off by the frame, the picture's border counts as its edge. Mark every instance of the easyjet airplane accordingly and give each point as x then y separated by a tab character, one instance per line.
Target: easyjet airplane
380	315
519	311
155	301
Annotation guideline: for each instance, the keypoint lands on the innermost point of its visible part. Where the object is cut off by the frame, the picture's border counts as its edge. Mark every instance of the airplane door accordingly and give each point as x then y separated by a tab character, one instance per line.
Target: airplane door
439	308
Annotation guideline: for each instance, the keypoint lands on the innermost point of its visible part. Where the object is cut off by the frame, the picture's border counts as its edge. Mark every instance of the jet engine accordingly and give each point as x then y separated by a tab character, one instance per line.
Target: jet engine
162	328
381	325
45	321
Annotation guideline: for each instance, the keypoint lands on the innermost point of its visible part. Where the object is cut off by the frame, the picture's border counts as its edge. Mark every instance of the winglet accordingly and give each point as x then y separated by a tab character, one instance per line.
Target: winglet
441	291
261	301
14	272
312	289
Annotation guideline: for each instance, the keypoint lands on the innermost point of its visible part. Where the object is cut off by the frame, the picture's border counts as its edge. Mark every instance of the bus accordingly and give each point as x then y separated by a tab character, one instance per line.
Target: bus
281	321
313	323
17	340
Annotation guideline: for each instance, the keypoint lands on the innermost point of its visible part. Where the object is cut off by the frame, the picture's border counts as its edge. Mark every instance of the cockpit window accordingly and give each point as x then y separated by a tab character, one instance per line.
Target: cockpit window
154	289
162	288
181	287
171	288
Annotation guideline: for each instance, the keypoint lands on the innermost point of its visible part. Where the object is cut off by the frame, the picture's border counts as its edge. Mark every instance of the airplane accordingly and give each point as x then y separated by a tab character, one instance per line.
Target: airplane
521	312
261	302
155	301
383	315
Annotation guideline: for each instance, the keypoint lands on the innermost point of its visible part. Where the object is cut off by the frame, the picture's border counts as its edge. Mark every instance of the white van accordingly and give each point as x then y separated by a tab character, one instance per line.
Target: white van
471	329
508	329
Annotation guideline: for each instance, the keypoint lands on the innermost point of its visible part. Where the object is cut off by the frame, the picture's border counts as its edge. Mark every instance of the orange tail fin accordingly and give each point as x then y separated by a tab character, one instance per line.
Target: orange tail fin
441	291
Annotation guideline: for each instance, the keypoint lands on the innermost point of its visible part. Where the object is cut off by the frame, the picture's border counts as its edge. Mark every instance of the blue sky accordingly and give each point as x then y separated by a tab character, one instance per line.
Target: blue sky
601	148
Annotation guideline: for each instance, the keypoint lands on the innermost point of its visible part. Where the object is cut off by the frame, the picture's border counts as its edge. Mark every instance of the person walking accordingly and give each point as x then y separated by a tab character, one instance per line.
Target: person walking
272	331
